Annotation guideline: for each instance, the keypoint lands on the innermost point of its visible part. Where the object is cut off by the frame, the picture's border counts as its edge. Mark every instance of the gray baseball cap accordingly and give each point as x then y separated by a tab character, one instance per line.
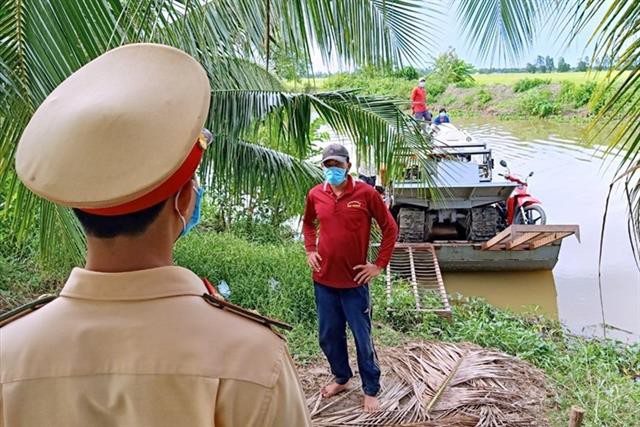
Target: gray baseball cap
335	152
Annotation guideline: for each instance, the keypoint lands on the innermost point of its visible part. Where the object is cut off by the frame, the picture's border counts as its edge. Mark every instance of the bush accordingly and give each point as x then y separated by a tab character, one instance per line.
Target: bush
273	279
408	73
372	85
577	95
467	84
468	100
451	69
538	103
445	101
435	87
483	97
584	93
525	84
567	92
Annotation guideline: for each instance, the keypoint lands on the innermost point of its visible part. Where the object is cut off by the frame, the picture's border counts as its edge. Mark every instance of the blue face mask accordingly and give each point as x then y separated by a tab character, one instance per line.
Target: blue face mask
195	217
335	175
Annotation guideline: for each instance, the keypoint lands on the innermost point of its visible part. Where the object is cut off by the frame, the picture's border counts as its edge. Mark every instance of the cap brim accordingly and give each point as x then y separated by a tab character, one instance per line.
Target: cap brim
338	158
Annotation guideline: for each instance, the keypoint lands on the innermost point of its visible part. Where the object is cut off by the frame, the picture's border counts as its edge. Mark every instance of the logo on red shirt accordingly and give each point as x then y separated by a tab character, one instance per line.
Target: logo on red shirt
354	204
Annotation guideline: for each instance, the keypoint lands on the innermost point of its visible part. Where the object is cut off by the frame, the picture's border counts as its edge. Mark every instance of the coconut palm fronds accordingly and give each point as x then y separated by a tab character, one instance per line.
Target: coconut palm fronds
433	384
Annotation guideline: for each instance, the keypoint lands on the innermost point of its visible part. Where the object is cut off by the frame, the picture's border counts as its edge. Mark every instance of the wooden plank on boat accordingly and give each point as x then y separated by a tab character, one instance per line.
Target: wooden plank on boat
525	237
548	240
495	240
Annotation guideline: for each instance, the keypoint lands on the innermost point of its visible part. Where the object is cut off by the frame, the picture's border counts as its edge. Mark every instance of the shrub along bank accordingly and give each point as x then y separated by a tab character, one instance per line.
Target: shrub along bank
274	279
526	97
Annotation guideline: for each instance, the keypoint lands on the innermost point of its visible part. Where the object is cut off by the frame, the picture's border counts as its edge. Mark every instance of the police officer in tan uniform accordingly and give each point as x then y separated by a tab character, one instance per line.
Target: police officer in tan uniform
133	340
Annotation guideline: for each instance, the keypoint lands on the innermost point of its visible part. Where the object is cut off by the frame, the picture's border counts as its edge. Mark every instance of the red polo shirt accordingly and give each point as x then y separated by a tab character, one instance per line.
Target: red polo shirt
345	227
419	99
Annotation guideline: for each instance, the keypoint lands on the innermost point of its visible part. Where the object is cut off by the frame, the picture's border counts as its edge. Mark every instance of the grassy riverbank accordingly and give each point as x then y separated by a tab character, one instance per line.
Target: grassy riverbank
274	279
516	95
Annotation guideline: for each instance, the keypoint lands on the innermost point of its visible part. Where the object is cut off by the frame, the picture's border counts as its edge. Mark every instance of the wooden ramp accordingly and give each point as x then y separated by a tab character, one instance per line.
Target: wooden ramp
418	265
527	237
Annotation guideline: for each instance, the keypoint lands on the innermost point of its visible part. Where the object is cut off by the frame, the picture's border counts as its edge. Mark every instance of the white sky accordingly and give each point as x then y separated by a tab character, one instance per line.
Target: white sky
449	34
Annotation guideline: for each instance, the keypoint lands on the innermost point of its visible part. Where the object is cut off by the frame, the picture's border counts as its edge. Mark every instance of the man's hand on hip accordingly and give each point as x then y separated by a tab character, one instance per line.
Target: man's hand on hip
367	272
314	259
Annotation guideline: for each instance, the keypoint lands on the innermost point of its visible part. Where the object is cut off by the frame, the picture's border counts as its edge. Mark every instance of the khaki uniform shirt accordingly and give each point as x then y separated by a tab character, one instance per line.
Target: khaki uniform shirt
144	349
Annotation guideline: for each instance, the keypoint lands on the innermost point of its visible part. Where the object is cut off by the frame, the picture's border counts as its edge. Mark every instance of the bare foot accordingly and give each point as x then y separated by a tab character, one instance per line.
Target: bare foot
333	389
371	404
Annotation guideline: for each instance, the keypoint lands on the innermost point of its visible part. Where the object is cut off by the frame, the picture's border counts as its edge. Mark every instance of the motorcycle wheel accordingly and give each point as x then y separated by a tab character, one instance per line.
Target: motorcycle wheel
533	215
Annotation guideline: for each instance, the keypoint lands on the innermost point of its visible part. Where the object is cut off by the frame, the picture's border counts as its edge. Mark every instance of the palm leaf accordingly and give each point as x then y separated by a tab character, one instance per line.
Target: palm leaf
44	42
503	29
433	383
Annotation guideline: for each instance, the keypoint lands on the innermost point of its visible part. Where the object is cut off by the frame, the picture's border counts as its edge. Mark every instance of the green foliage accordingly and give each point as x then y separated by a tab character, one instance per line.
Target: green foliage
444	101
394	87
288	65
538	103
483	97
466	84
601	95
563	66
435	87
594	374
567	92
526	84
469	99
273	279
449	68
576	95
44	42
407	73
584	93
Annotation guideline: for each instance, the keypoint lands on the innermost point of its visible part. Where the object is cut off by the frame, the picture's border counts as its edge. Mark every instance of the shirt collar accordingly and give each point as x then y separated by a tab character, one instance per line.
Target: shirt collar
132	285
326	187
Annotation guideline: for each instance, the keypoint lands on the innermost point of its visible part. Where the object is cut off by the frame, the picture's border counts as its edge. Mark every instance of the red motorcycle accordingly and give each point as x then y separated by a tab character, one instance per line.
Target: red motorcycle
520	207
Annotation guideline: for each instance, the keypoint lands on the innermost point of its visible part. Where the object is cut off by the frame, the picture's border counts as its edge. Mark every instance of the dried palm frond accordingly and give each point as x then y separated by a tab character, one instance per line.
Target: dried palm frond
433	384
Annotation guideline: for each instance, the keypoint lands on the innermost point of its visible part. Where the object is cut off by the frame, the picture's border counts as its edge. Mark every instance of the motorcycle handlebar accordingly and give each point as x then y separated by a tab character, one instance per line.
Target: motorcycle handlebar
515	179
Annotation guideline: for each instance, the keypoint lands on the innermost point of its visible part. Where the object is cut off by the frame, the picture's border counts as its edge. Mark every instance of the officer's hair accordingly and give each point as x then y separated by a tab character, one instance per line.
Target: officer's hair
131	224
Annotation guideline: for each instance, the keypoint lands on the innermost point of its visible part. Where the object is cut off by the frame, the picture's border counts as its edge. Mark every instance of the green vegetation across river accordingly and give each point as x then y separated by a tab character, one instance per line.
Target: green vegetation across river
560	95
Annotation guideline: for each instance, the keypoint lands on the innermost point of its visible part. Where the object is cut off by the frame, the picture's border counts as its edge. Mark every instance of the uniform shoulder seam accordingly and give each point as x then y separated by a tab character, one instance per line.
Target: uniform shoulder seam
248	314
25	309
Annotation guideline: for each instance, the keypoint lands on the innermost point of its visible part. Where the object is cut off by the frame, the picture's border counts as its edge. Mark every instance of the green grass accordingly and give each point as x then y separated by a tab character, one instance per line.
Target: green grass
502	78
275	280
512	78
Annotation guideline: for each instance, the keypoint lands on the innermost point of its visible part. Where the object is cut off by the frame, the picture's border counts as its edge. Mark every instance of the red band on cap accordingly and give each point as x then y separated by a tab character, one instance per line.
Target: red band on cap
165	190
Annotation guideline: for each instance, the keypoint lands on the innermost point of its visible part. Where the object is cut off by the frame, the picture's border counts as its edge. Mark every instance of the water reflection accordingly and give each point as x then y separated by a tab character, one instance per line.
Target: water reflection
518	291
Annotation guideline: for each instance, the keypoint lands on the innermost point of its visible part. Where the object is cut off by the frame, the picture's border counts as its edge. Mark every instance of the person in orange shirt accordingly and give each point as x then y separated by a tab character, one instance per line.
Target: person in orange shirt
419	102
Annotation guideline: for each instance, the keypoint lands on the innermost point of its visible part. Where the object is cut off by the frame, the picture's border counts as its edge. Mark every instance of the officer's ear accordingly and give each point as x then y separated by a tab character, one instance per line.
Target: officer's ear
183	198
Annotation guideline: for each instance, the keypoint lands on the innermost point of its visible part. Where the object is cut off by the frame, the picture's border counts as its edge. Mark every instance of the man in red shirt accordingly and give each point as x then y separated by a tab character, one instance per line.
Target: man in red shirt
344	208
419	102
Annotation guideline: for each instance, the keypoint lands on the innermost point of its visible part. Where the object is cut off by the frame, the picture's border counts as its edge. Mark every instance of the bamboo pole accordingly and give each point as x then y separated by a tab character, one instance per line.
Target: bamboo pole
577	414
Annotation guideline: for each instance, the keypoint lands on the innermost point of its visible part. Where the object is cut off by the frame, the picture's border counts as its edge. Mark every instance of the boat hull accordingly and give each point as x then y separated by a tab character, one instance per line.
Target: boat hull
470	257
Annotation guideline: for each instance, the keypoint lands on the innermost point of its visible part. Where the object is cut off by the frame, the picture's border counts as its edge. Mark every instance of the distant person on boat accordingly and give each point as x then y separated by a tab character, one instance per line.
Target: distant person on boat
419	102
442	117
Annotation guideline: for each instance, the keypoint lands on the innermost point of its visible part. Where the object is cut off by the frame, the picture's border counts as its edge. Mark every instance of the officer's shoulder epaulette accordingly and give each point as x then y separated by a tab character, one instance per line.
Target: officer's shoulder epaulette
23	310
220	303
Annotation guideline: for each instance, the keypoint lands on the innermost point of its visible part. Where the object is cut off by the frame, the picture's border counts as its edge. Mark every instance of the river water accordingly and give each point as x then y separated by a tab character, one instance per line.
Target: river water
572	181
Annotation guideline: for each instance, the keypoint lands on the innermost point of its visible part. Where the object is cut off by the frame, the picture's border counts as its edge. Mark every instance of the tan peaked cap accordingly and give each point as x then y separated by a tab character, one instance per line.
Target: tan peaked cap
116	129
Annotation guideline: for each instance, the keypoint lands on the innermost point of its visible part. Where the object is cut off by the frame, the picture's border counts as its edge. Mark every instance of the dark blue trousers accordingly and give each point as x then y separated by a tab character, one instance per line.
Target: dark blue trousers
336	309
